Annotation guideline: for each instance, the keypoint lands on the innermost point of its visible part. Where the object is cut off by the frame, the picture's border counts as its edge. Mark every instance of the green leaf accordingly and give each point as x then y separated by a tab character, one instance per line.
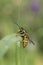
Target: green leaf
7	42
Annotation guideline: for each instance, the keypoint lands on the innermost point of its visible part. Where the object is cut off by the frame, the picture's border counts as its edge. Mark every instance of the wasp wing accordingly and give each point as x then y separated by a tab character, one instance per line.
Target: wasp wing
31	41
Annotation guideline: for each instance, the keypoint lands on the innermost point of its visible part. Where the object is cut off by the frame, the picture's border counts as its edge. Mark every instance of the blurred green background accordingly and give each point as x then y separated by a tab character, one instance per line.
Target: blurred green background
12	11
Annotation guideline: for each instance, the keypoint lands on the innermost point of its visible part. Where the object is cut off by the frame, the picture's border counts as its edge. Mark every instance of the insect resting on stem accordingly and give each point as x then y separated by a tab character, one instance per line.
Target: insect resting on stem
25	36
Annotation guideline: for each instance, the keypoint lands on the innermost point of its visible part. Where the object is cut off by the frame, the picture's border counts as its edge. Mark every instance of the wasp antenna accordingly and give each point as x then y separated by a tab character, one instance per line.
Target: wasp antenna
17	25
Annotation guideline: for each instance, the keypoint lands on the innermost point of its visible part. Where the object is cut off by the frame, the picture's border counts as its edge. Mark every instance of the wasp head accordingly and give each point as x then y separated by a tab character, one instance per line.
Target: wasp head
21	31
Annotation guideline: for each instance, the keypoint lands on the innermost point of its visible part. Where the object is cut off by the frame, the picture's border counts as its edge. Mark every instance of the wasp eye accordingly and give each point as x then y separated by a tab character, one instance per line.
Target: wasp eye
26	37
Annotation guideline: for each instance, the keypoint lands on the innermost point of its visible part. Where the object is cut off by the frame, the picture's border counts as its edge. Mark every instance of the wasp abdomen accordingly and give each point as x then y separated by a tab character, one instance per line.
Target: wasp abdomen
25	40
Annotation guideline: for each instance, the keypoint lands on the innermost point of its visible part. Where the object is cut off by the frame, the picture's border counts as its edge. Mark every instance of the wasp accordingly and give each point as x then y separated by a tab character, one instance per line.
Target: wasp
25	37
